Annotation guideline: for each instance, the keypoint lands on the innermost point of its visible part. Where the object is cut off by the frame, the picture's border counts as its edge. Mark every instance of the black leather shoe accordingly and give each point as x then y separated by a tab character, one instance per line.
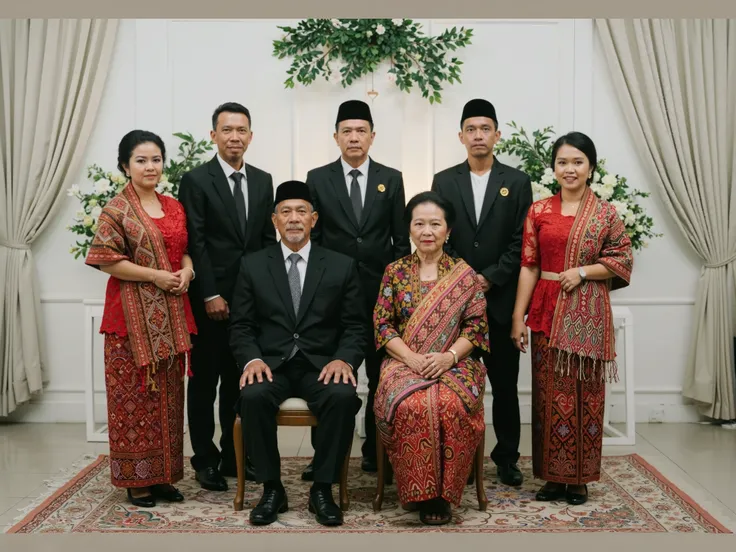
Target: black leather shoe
550	494
167	492
509	474
142	501
576	499
369	465
308	473
322	504
210	479
272	503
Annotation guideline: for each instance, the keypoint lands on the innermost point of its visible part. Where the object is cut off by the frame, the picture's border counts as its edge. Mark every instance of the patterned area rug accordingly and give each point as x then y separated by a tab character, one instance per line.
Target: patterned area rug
632	497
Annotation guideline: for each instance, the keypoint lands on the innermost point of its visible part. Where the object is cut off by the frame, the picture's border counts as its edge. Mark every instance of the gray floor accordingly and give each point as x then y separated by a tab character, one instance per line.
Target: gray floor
700	459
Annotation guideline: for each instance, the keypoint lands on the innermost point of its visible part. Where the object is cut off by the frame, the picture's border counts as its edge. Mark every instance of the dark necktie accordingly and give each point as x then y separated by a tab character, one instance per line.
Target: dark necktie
239	198
355	197
296	290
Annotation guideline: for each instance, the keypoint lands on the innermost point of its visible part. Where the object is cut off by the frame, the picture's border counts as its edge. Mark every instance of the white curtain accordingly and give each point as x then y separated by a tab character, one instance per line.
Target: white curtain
676	81
52	76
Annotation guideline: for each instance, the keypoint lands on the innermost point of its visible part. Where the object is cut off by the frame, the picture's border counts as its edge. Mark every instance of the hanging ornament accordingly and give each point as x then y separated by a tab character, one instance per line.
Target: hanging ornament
372	93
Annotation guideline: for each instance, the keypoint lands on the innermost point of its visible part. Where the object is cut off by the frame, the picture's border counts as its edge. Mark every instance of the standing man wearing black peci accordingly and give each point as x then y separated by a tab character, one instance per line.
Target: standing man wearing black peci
360	203
491	201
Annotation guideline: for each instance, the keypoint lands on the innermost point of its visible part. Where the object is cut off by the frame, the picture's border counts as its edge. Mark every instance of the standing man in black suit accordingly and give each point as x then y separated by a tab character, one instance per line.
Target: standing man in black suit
491	200
227	203
361	205
298	329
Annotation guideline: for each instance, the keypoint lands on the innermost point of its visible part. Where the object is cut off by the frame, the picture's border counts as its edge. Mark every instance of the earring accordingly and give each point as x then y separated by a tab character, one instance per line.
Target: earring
447	239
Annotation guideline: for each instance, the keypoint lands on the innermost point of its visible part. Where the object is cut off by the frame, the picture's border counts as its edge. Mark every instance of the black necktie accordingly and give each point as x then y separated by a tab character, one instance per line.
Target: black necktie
355	197
239	198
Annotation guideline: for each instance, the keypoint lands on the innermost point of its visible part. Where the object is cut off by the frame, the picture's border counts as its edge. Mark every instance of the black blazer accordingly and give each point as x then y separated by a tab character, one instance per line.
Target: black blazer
216	240
492	245
379	238
330	324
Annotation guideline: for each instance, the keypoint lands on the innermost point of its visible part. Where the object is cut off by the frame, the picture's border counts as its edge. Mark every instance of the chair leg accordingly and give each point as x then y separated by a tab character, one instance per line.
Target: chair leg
344	497
240	463
479	485
380	461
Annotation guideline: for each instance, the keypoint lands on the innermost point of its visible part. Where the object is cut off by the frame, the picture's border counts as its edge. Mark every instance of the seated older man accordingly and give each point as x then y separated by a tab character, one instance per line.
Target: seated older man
297	330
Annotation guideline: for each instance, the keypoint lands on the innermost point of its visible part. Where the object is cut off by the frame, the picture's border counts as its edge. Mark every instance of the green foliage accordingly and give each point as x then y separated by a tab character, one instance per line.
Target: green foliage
344	50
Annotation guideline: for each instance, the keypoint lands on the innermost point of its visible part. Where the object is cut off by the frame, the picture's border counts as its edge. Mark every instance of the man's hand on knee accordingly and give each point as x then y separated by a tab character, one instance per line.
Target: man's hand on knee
255	371
336	370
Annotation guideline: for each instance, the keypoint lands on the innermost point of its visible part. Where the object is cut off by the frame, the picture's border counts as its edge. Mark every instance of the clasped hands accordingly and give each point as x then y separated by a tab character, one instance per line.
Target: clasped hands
430	366
335	371
174	282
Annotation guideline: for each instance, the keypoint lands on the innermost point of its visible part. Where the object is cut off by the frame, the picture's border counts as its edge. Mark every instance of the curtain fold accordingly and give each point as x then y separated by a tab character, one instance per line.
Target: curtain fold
676	82
52	77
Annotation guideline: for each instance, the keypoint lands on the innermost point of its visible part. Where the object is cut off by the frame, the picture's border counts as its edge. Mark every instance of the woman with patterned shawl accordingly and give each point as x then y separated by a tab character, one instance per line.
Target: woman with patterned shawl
141	241
575	250
430	318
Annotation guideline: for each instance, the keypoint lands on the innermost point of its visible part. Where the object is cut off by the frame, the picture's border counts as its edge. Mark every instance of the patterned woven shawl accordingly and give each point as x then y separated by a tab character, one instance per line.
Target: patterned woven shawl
582	326
155	320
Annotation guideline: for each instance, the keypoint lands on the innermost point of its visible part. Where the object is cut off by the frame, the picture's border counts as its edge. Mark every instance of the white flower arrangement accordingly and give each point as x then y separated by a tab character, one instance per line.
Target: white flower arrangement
536	153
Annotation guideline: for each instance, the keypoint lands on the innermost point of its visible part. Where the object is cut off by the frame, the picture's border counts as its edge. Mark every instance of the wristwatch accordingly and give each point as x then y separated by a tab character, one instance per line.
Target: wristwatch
581	271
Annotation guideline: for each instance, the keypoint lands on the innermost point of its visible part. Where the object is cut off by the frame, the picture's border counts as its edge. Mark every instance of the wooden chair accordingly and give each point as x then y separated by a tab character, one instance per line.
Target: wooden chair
293	412
384	473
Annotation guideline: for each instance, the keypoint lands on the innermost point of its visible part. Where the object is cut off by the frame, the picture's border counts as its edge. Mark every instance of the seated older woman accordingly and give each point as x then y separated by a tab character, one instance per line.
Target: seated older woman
431	319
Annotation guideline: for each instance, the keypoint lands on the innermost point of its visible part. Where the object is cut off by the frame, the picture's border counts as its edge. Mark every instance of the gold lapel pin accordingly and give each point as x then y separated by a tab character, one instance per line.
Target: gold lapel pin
504	192
381	188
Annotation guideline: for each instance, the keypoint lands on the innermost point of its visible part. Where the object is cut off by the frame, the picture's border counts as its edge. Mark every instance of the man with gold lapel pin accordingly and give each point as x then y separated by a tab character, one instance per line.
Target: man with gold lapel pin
361	206
491	201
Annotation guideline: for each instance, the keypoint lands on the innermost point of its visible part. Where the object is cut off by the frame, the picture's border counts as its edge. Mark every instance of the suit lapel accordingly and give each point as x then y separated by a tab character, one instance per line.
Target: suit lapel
337	178
371	190
223	190
315	269
466	191
277	268
252	200
495	182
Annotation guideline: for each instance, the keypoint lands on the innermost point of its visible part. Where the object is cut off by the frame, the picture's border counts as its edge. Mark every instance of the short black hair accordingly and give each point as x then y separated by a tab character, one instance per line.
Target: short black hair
134	139
230	107
430	197
579	141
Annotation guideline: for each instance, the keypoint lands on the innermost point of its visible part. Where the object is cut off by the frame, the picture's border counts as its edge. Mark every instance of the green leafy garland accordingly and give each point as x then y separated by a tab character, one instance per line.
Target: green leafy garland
359	46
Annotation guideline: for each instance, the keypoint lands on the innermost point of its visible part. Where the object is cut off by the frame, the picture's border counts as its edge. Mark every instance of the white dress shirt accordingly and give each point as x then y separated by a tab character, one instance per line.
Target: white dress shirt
228	170
362	177
480	183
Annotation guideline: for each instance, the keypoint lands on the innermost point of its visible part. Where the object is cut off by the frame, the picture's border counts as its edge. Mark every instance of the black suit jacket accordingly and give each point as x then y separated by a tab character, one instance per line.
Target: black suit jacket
379	238
330	324
492	245
216	240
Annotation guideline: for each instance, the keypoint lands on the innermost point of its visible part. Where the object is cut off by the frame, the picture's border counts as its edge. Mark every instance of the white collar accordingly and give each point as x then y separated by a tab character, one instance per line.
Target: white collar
303	252
363	168
228	169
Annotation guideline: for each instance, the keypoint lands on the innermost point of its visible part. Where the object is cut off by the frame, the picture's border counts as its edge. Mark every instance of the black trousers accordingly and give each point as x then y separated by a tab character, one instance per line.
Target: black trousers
503	372
212	363
335	406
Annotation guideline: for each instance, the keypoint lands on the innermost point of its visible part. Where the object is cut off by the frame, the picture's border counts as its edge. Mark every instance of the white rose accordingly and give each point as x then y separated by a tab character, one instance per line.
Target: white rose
397	22
621	208
629	219
597	177
88	221
73	191
336	23
603	192
547	179
102	186
380	29
369	34
92	202
639	228
96	212
94	227
609	180
549	171
391	77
